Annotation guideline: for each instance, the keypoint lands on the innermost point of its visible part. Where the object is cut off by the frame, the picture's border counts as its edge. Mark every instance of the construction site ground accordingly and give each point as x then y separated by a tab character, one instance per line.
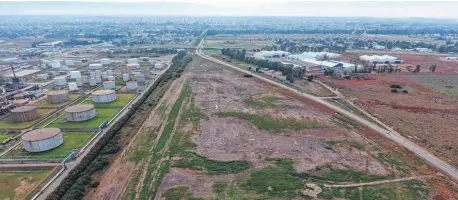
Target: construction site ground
217	134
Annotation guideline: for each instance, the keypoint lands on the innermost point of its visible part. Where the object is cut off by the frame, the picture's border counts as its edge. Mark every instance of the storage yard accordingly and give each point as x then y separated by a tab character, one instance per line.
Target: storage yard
217	134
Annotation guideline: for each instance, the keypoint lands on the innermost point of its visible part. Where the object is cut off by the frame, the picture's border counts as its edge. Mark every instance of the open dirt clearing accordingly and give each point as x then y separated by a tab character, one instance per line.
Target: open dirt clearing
232	119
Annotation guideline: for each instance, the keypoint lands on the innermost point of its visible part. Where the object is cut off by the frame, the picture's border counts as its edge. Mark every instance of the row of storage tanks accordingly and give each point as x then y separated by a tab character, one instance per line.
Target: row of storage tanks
44	139
93	79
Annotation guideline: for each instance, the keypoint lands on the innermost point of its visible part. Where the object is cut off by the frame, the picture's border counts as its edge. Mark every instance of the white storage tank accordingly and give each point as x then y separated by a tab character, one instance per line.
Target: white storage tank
105	61
103	96
125	77
98	73
69	62
109	85
85	79
42	139
57	96
92	82
111	78
80	112
92	74
55	64
95	66
60	81
79	82
132	85
104	75
132	66
140	78
110	72
98	79
132	60
75	74
72	86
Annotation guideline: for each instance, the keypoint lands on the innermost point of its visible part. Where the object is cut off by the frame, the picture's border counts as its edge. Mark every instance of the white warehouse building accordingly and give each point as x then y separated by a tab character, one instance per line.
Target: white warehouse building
314	55
376	59
271	54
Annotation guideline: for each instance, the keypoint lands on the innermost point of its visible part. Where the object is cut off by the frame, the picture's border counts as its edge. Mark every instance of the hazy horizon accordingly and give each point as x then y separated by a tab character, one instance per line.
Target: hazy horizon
385	9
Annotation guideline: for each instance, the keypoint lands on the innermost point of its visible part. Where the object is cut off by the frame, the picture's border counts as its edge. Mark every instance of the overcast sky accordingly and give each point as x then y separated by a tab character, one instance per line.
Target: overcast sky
392	9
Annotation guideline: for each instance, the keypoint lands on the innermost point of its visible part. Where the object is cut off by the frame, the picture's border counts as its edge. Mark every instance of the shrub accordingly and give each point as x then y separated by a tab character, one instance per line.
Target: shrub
395	86
394	90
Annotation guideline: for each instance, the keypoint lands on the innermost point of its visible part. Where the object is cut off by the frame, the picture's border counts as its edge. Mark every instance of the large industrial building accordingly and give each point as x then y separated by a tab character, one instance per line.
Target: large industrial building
271	54
43	139
376	59
314	55
81	112
338	66
25	114
103	96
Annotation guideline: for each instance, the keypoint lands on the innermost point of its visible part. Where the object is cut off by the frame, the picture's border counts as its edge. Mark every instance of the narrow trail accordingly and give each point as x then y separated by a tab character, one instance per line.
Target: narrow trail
379	182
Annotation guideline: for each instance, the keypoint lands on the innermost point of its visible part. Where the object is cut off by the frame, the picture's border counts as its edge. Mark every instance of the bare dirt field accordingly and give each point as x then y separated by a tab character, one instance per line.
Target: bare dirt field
241	139
426	114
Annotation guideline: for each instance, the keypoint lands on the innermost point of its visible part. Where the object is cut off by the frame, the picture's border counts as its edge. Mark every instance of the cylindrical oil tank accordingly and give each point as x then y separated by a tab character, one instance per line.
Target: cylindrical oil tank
125	77
25	114
132	66
57	96
140	78
111	78
104	75
42	139
98	79
75	74
20	102
72	86
60	81
69	62
132	85
92	82
95	66
92	74
85	79
132	60
110	72
55	64
79	82
80	112
105	61
98	73
103	96
109	85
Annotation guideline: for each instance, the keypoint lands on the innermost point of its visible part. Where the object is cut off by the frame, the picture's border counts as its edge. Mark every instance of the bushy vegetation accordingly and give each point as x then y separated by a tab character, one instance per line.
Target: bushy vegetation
191	160
176	193
274	125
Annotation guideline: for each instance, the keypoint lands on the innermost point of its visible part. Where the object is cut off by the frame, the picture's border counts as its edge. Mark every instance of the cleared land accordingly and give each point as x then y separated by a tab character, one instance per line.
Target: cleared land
17	185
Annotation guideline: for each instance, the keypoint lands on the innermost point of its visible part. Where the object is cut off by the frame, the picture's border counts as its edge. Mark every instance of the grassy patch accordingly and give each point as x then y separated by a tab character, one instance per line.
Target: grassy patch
396	161
142	147
18	185
409	190
219	187
449	91
102	115
274	125
5	136
212	51
191	160
349	143
72	140
176	193
351	193
264	102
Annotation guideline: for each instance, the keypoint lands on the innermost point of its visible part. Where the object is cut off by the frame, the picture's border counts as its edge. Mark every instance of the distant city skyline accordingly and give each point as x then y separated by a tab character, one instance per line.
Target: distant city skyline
383	9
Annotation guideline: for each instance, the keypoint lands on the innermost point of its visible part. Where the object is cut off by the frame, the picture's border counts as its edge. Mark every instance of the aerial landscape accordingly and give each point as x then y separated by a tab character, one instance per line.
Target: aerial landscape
214	103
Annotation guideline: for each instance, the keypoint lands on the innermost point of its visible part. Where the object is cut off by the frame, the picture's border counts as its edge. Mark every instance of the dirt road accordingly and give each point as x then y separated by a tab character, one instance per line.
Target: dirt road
390	134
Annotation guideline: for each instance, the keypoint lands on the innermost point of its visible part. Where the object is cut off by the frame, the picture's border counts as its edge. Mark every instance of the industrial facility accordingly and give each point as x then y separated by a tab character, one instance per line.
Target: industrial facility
57	96
25	114
376	59
103	96
81	112
43	139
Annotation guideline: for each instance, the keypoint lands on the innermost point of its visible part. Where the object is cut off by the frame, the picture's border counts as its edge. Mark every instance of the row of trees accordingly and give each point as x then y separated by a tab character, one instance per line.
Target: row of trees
287	70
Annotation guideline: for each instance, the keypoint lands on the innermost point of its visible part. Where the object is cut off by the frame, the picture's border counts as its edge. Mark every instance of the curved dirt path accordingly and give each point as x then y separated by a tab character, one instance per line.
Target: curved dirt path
379	182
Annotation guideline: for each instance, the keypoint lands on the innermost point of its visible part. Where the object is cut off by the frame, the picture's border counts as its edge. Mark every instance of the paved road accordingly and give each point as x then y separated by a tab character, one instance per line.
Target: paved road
390	134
